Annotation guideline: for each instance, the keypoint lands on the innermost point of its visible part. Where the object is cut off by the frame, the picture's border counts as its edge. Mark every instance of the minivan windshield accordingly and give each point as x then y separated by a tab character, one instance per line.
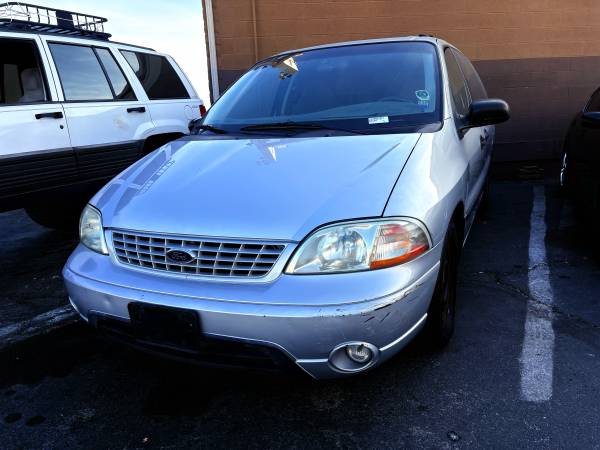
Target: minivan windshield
391	87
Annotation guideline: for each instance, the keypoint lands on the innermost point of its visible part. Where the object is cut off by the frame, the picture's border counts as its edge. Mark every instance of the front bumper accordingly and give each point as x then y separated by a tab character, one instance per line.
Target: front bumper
304	317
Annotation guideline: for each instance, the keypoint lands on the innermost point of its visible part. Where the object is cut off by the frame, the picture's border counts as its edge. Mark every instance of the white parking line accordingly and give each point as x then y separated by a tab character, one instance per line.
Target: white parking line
537	357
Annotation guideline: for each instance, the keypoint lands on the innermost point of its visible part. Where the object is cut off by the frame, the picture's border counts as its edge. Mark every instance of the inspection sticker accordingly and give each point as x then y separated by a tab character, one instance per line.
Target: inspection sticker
376	120
423	97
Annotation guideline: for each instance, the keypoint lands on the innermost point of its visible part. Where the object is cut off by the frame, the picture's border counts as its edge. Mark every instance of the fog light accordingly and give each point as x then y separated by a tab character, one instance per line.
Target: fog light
359	353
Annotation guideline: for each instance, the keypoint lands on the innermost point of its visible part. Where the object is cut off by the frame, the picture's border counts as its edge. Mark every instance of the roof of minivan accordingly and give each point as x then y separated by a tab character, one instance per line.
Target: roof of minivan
423	38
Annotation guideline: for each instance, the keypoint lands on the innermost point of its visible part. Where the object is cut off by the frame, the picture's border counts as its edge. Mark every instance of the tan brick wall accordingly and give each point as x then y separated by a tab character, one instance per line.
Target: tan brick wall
483	29
543	56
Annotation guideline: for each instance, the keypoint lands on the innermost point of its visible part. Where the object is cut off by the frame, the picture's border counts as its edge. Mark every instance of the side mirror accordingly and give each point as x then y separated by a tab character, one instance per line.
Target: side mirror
591	118
487	112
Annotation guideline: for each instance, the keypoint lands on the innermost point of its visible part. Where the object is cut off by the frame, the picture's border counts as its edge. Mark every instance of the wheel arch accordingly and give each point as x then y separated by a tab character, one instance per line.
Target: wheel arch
458	219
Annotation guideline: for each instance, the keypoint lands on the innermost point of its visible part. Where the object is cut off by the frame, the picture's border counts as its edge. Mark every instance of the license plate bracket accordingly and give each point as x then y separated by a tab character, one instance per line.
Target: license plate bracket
167	327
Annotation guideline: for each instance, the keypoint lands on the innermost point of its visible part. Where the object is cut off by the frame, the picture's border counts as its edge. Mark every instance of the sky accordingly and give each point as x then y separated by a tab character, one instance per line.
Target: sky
172	27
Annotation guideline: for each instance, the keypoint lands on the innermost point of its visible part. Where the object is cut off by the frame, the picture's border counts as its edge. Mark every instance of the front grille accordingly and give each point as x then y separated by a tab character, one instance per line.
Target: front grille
250	259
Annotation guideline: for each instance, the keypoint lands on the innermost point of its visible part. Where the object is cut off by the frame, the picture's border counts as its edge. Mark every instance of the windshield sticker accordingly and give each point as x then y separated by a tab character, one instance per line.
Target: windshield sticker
376	120
288	67
423	97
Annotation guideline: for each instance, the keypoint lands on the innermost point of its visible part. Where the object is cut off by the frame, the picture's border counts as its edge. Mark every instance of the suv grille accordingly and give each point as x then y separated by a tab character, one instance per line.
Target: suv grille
196	256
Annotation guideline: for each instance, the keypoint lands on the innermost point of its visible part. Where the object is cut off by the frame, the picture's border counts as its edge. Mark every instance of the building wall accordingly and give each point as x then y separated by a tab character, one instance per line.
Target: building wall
542	56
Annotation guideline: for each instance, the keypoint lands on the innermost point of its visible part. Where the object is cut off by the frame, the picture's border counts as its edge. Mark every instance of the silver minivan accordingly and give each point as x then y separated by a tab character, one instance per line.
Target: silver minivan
316	217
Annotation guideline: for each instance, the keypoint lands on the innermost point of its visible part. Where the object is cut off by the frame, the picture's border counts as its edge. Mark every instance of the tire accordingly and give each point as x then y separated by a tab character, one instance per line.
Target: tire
56	216
442	310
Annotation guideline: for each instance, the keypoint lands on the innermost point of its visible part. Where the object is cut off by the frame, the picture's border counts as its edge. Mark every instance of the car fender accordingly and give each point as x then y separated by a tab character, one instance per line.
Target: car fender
432	184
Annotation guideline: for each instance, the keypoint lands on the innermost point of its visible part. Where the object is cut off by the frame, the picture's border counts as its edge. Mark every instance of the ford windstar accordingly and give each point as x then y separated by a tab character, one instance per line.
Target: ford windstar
315	218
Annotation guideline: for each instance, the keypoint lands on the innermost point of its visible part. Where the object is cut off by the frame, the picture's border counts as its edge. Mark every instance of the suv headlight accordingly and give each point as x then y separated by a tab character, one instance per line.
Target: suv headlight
91	232
363	245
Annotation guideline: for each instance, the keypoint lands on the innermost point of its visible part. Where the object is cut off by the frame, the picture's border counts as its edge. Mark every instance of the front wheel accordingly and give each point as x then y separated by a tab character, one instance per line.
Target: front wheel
440	316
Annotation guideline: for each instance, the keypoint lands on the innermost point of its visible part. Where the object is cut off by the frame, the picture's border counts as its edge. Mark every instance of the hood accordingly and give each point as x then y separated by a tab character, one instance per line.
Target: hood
255	188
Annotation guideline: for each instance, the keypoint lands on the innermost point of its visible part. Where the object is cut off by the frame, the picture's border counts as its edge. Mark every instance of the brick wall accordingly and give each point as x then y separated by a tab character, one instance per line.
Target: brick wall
543	56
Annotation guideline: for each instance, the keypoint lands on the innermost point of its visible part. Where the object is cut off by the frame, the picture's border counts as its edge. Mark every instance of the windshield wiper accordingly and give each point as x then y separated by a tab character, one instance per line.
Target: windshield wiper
199	126
285	126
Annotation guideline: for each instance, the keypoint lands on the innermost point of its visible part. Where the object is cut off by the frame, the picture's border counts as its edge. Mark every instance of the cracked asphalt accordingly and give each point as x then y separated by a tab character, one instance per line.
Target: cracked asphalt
72	389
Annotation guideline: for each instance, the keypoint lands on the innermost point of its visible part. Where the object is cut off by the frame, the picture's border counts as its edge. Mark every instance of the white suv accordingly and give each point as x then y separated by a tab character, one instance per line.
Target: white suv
76	109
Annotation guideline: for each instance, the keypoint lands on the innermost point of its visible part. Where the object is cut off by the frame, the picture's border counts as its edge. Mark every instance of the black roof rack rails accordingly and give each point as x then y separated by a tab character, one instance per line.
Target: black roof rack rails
18	16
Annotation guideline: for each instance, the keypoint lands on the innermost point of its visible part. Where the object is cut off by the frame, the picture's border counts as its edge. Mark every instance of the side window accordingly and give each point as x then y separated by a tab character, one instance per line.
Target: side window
157	76
476	87
121	87
21	76
80	73
594	103
458	87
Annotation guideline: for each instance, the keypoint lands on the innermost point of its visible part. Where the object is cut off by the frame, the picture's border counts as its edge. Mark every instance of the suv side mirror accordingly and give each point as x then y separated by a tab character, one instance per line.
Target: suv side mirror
487	112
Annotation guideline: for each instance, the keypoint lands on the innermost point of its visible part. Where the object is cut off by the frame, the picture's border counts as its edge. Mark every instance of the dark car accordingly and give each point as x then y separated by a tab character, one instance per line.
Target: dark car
580	163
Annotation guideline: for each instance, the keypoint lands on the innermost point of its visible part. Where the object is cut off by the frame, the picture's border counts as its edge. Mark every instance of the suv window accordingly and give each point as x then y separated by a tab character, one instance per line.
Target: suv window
121	87
80	73
89	74
476	87
157	76
458	87
21	77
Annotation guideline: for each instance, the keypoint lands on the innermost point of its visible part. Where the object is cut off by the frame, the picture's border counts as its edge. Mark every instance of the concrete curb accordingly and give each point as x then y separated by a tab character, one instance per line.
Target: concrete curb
42	324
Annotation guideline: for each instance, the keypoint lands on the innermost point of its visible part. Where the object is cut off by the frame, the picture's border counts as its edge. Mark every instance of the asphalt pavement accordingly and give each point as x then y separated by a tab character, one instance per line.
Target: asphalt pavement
520	308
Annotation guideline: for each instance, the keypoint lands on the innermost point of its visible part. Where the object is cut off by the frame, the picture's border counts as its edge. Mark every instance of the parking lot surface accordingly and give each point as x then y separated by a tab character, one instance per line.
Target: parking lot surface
520	372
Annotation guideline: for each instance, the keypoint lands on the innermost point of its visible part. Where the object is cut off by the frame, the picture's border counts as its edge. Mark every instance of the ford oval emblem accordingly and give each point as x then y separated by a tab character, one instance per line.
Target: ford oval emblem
179	256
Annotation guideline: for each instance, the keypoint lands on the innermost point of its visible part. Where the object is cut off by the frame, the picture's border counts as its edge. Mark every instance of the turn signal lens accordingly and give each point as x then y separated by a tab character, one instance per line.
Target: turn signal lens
396	243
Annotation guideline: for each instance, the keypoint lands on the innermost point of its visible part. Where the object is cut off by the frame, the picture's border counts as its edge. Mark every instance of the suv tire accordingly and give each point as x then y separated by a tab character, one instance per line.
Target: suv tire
57	216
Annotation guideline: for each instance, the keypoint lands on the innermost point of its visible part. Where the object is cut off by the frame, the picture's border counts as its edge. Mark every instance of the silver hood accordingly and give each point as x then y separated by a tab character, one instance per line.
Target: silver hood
255	188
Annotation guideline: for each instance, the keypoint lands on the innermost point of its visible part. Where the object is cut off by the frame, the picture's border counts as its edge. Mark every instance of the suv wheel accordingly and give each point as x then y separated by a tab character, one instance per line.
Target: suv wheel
56	215
440	316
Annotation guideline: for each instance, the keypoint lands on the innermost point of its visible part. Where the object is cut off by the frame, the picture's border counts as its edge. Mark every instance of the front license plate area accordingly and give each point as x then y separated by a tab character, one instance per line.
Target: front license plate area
167	327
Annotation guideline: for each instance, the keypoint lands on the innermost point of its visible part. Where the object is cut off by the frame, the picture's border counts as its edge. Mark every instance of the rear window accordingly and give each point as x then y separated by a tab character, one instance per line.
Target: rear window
121	88
80	73
21	77
157	75
89	74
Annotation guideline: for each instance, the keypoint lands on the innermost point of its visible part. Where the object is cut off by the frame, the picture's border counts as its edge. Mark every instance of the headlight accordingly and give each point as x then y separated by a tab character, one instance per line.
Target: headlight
356	246
91	232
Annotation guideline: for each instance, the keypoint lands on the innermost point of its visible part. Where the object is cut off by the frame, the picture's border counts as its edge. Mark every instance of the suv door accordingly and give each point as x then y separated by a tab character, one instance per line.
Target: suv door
468	140
106	121
35	152
172	100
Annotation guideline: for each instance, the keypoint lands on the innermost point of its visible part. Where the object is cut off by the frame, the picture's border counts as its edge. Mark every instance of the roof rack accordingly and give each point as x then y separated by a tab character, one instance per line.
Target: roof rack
20	16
